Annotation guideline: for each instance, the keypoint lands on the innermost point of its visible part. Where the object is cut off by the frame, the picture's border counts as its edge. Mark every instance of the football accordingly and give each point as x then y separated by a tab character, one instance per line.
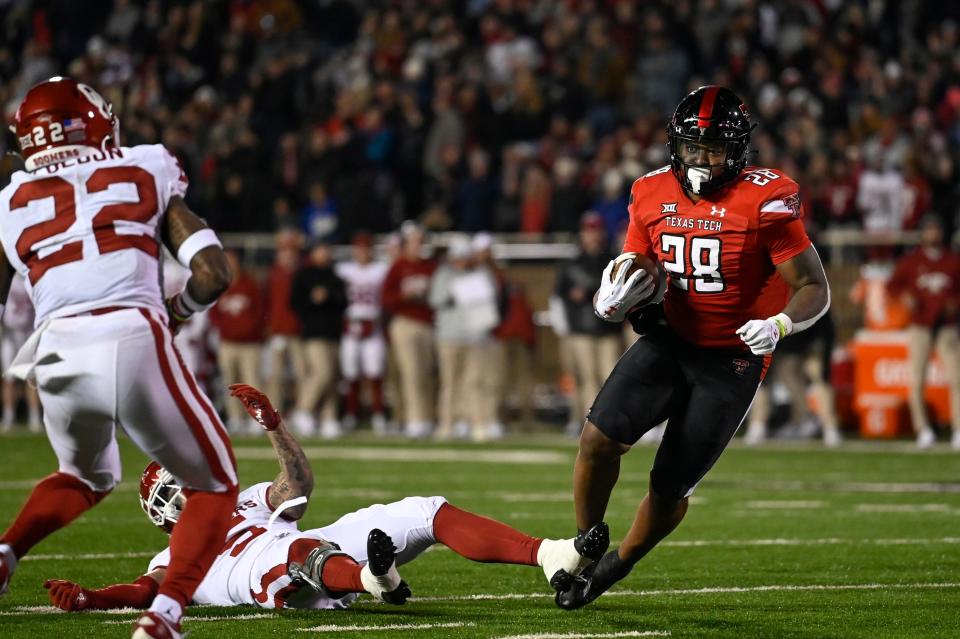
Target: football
634	262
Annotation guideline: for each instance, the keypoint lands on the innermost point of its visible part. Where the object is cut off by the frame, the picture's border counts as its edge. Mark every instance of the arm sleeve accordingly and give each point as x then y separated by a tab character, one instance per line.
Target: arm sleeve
139	595
781	225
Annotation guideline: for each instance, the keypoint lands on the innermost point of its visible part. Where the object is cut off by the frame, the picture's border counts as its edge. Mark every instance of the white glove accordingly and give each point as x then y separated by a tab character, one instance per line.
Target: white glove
762	336
617	297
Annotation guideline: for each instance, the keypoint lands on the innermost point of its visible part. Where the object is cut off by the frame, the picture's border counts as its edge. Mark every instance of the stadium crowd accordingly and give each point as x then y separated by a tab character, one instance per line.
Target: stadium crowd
505	115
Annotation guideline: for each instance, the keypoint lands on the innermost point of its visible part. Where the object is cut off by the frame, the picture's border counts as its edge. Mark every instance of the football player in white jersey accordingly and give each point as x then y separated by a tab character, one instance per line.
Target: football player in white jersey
268	562
363	351
83	224
17	324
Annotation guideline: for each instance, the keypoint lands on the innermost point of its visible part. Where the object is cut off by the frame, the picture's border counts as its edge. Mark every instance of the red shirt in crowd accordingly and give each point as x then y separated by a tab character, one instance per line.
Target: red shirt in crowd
409	278
932	280
281	318
239	313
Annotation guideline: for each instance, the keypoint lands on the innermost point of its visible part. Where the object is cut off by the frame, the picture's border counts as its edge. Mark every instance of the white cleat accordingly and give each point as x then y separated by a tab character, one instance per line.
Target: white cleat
832	438
331	429
417	430
303	423
756	434
926	438
379	424
150	625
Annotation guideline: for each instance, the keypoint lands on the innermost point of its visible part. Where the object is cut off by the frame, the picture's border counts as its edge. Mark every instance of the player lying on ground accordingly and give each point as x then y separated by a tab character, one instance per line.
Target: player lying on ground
732	242
266	561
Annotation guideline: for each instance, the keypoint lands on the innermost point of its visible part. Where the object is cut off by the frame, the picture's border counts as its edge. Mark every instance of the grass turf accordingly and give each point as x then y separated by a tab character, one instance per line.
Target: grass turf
779	542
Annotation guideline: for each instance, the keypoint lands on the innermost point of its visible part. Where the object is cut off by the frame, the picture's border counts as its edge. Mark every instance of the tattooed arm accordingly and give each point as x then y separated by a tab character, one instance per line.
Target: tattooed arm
296	476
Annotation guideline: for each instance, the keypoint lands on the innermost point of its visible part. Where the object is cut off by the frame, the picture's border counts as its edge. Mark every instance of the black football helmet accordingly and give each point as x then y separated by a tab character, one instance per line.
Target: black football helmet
709	115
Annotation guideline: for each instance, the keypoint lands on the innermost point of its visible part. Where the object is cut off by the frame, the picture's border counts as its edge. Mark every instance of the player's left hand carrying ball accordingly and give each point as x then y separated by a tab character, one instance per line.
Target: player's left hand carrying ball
257	404
762	336
619	293
67	595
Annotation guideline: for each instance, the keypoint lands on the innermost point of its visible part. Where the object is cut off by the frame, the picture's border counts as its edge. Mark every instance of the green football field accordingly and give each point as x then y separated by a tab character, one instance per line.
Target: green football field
779	542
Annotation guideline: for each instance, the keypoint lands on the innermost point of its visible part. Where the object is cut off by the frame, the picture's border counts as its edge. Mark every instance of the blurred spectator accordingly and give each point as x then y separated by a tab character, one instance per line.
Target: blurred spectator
363	349
319	298
405	291
493	383
17	324
320	218
881	310
287	364
477	195
464	297
595	344
881	198
612	204
239	317
928	281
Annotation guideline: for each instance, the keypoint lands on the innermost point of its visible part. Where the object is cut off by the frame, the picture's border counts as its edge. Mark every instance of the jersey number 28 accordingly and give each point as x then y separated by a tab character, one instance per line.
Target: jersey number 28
703	256
65	214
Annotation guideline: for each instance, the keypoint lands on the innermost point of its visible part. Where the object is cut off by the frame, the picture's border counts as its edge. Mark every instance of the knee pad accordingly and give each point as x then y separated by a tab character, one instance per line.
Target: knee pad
310	572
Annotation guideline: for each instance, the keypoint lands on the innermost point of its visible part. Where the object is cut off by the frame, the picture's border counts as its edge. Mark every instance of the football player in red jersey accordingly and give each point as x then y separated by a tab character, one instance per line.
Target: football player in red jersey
742	275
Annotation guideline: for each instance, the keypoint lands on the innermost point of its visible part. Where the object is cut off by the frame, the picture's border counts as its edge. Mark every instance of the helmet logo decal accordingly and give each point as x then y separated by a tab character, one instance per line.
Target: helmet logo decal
95	99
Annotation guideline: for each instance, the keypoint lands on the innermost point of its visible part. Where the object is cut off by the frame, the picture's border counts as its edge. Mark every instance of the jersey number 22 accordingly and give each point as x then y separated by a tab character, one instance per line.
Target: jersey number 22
103	221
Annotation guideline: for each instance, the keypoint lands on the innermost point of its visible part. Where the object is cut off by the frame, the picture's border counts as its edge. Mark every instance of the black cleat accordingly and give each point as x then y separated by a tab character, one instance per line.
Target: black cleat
381	553
594	542
595	580
591	544
381	556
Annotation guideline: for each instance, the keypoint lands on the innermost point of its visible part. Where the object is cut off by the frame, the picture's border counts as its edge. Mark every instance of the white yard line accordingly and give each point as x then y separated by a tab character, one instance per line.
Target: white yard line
773	485
190	620
92	556
591	635
826	541
905	508
20	611
708	591
786	504
393	626
401	454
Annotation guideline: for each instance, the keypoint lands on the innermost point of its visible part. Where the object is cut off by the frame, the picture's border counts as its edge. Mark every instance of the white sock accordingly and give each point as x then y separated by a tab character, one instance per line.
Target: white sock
7	416
167	608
